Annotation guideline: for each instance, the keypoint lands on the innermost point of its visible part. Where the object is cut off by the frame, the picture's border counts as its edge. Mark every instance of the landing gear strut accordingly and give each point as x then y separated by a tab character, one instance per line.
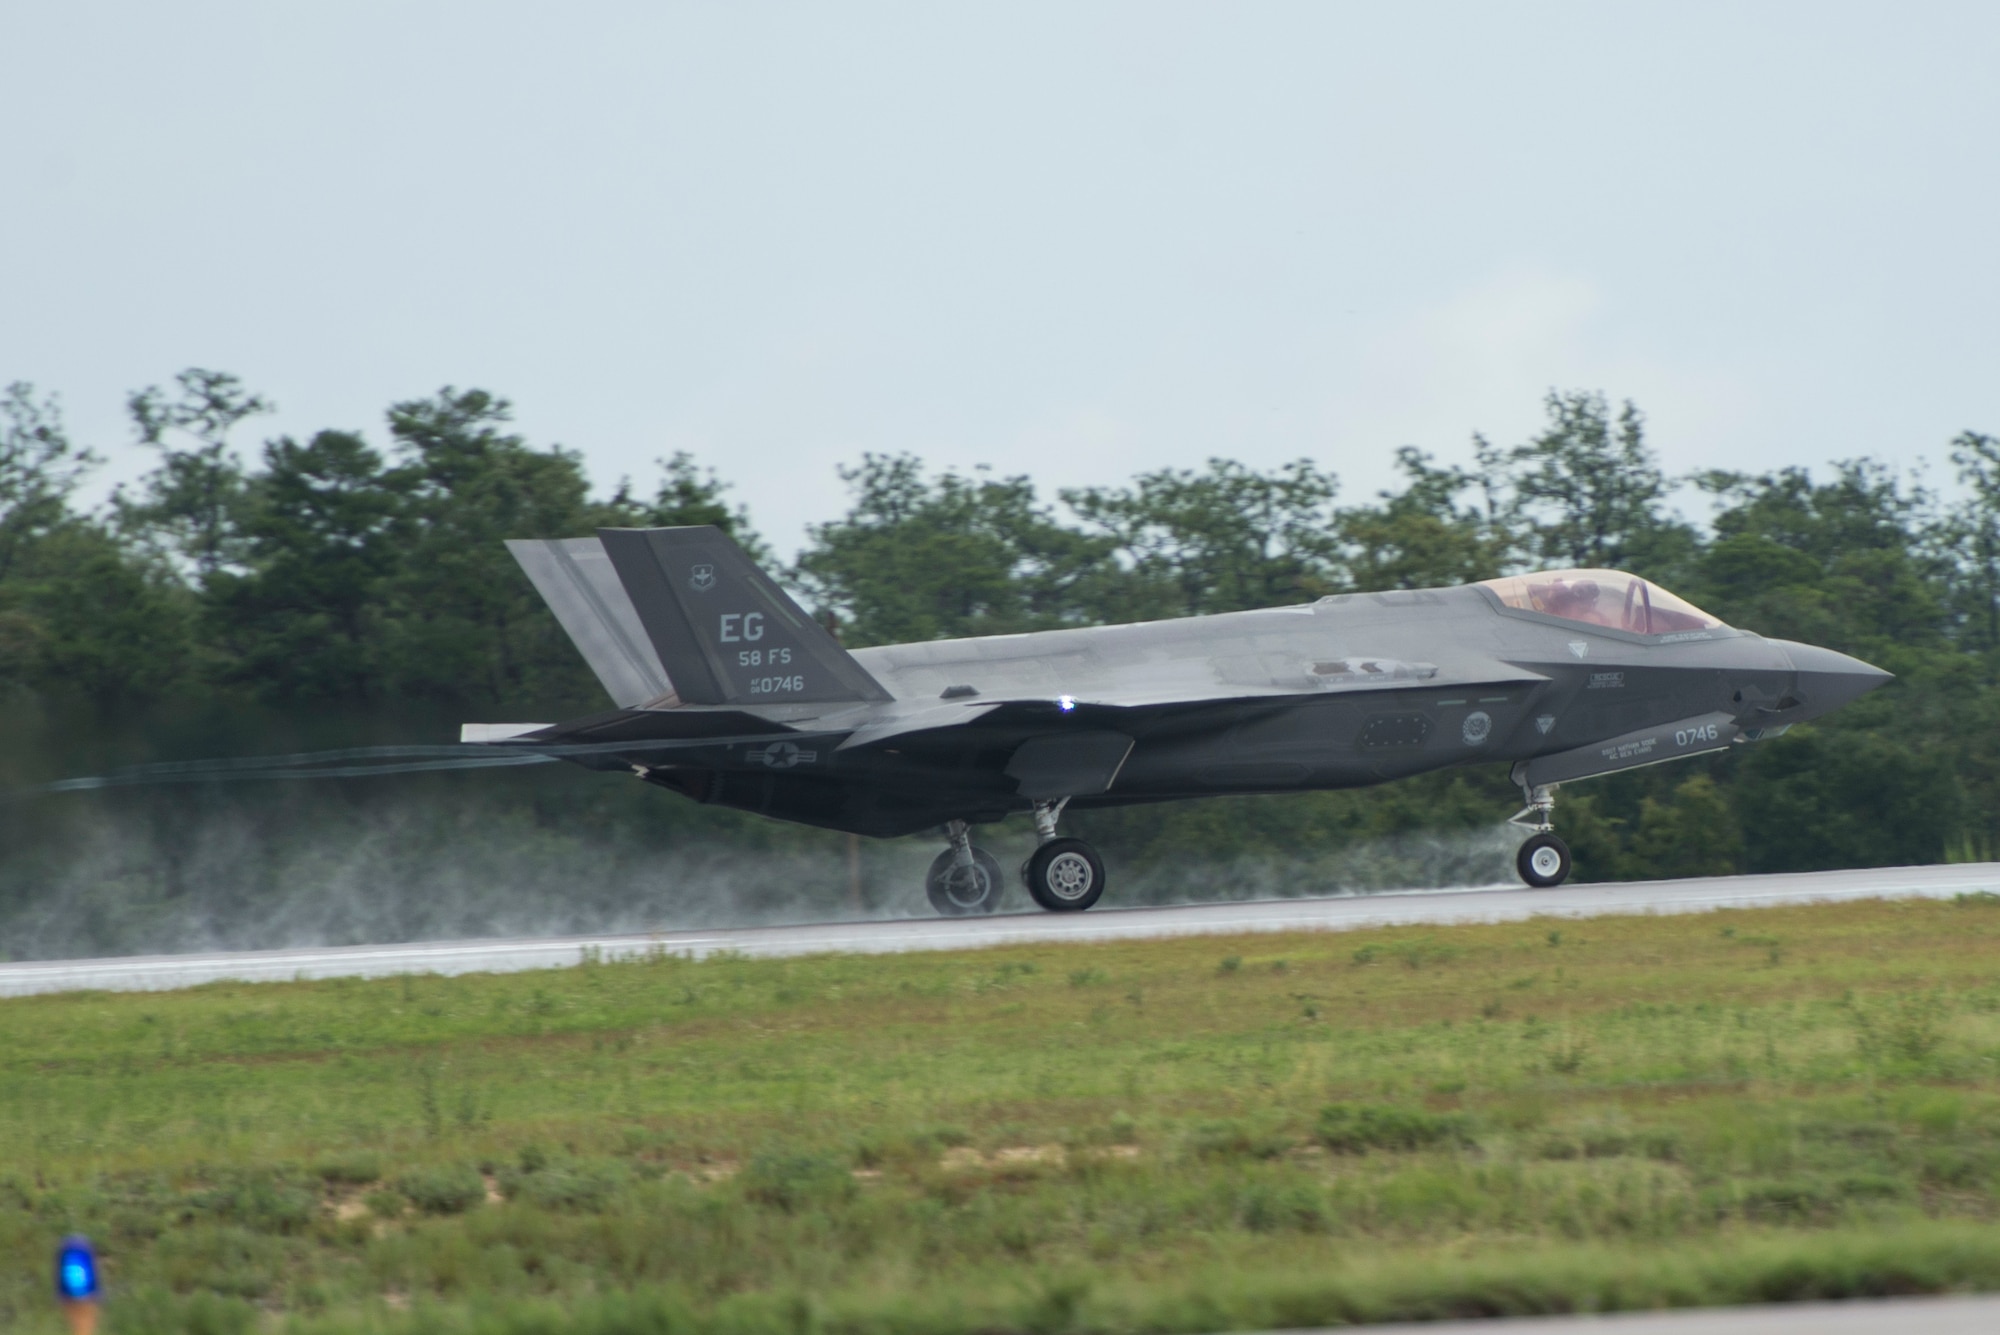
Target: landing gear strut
1062	875
963	879
1544	860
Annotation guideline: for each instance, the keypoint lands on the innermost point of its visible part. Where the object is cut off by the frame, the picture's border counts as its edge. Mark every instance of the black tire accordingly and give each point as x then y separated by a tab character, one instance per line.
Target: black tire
1065	876
956	893
1543	861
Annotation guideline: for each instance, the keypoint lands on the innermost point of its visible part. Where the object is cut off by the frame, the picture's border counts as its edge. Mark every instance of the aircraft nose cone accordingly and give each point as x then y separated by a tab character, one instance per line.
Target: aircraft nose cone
1828	680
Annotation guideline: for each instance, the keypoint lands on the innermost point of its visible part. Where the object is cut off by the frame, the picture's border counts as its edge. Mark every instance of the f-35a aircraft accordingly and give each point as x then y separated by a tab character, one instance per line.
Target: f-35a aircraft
728	693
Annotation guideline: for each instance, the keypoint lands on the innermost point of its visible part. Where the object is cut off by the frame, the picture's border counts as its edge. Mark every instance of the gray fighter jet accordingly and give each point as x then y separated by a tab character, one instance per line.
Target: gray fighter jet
729	693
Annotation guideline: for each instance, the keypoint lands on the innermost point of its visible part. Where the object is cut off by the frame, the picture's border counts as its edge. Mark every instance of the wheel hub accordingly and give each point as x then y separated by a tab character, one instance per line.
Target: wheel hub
966	886
1546	861
1069	876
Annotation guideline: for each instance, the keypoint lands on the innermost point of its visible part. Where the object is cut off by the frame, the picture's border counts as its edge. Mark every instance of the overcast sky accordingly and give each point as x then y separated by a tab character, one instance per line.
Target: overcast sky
1075	240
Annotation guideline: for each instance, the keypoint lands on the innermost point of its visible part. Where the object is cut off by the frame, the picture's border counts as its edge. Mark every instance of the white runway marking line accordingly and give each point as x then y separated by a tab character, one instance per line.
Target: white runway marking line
1342	913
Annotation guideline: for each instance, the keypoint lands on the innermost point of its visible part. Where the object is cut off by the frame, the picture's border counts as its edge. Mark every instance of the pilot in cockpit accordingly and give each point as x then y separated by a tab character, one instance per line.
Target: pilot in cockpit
1574	600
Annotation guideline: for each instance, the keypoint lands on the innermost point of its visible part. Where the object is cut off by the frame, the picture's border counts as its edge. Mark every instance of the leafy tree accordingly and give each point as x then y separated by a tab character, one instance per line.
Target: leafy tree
1221	540
92	626
689	494
323	529
189	507
333	578
78	618
1587	491
463	625
1825	797
919	557
1863	508
1419	537
1694	831
1973	530
1848	563
39	470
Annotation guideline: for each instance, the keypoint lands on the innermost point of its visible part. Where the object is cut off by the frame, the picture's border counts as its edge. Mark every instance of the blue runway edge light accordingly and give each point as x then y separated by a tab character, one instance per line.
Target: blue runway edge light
76	1270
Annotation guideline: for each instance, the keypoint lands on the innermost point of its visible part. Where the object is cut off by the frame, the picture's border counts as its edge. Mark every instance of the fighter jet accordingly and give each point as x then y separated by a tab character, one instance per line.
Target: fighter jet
729	693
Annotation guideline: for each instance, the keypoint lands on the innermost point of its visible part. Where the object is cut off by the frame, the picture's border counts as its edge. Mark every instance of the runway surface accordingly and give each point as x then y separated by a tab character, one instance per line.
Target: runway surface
1902	1316
1490	904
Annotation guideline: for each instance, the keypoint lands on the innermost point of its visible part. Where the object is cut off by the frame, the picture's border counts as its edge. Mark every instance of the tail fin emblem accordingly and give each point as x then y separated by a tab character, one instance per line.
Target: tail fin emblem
670	575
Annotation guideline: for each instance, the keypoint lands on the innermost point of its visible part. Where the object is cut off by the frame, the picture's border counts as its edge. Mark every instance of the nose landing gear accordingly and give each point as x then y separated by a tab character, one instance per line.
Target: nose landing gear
964	879
1544	860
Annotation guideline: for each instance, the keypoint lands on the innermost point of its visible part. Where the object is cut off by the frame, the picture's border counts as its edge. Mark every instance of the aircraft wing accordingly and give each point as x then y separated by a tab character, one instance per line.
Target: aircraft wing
1182	691
903	722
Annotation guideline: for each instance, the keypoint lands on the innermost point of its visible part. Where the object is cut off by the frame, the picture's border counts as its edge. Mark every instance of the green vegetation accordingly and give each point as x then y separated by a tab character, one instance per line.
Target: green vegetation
1624	1112
335	591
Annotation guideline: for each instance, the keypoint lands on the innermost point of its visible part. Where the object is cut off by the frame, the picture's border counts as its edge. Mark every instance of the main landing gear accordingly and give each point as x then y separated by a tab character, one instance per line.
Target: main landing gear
963	879
1544	859
1063	875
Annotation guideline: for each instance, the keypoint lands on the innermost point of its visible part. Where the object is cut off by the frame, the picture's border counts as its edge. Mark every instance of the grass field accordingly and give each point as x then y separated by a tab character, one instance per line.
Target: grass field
1182	1135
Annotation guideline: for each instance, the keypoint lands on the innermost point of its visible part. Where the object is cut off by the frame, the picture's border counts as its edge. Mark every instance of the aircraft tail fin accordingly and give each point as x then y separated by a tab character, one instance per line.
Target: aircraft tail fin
723	630
576	580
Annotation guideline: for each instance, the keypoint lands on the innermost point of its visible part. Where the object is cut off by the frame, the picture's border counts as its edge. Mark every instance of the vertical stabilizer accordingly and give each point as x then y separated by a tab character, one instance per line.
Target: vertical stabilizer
724	631
576	580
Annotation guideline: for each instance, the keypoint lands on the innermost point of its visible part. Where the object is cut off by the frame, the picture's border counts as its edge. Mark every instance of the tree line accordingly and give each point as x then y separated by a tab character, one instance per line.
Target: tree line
340	585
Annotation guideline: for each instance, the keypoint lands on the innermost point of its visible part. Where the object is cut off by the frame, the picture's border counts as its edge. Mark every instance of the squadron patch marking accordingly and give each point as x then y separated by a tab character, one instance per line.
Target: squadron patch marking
701	578
1544	722
1478	726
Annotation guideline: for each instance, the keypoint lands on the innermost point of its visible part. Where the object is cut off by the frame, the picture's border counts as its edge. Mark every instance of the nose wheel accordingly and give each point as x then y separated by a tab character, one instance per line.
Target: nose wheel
964	879
1544	860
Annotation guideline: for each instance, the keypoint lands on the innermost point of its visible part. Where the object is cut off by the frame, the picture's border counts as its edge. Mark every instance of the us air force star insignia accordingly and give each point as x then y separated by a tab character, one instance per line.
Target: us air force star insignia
1581	648
1544	722
783	755
1477	725
702	578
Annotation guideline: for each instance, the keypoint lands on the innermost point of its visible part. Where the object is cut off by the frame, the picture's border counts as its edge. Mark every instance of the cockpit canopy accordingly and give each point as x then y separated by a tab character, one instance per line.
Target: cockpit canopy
1602	598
